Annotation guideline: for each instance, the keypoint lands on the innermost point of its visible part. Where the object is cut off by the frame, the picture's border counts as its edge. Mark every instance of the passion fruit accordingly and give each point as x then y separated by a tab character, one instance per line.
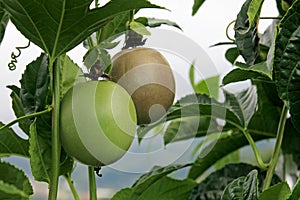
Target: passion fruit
97	122
147	76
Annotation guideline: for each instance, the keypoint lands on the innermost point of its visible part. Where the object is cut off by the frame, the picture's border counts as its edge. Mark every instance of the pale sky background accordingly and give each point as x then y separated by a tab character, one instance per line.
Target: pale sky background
206	28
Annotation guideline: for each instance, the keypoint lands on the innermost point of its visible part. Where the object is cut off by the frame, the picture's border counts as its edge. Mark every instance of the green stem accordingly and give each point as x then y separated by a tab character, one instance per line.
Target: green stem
276	153
90	42
259	160
26	117
92	183
56	148
72	187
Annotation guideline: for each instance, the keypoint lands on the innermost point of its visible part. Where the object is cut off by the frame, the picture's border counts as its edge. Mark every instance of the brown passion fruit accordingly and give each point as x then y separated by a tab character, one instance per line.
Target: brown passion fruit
147	76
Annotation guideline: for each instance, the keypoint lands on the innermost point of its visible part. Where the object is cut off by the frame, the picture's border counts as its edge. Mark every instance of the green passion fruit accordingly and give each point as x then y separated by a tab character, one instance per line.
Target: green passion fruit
97	122
146	75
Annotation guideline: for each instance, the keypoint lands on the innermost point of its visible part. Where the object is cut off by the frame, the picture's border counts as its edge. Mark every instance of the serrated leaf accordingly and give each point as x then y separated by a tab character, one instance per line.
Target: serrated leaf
13	183
279	191
246	34
40	153
12	144
18	108
41	150
243	104
286	70
197	4
212	188
295	195
258	71
139	28
4	17
245	188
154	22
34	85
70	74
60	26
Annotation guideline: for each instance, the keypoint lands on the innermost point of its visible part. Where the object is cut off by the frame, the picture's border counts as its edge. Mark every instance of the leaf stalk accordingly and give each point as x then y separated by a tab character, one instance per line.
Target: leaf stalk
49	109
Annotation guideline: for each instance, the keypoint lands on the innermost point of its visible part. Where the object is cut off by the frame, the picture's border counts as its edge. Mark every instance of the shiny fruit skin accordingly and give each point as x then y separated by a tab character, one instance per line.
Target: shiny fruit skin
148	78
97	122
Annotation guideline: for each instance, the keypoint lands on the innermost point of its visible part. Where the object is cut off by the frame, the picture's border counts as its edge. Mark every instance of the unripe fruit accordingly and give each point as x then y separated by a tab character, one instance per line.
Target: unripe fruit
97	122
148	78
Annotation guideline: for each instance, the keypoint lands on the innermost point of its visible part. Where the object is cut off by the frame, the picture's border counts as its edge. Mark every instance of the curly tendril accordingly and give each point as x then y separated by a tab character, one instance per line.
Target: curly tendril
12	65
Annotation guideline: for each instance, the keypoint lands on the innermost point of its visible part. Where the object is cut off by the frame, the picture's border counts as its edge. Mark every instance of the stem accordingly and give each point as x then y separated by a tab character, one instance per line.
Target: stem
92	183
56	148
26	117
72	187
255	150
276	153
90	42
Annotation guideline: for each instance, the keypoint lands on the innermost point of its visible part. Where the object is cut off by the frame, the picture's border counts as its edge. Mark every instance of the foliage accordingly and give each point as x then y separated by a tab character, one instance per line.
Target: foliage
270	63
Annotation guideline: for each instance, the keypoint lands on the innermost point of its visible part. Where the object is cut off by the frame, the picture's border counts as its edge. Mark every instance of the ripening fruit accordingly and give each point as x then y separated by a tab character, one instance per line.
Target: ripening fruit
97	122
148	78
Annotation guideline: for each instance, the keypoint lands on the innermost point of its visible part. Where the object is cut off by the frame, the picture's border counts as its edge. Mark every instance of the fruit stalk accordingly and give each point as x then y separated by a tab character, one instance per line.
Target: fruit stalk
92	183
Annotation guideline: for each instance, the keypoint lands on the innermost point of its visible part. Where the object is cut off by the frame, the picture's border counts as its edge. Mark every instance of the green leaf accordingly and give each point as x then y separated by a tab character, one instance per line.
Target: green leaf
225	144
291	140
70	74
258	71
243	104
246	34
232	54
167	188
156	183
276	192
156	173
209	86
40	150
12	144
123	194
197	5
237	110
34	85
18	108
212	186
194	105
295	195
153	22
116	26
189	127
139	28
279	7
13	183
60	26
286	61
4	17
242	188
